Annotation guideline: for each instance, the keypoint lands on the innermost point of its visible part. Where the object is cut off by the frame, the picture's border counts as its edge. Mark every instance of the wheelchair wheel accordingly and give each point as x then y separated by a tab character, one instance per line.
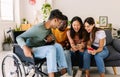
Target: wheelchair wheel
12	66
37	75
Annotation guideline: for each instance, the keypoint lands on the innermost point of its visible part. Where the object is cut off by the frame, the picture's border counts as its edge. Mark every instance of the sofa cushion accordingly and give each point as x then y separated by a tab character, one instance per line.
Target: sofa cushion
108	37
113	54
116	44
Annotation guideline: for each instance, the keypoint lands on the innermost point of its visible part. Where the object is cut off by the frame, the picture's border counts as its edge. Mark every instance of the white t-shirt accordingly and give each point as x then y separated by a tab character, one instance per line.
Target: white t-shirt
99	35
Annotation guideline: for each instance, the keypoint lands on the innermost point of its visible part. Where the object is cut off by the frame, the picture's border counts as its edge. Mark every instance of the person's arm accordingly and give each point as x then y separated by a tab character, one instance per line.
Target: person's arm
102	37
73	46
49	38
81	46
21	40
27	51
100	48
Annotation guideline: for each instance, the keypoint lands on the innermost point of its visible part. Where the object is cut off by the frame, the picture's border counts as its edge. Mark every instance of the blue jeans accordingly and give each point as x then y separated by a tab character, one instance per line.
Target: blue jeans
48	52
54	54
68	59
77	58
60	56
99	59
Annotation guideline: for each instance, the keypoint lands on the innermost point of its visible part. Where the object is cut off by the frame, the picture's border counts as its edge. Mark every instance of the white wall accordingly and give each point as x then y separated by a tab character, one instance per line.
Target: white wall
29	11
94	8
23	9
4	26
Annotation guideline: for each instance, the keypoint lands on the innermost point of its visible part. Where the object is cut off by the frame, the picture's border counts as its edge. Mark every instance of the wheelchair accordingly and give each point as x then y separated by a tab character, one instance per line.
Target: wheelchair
14	64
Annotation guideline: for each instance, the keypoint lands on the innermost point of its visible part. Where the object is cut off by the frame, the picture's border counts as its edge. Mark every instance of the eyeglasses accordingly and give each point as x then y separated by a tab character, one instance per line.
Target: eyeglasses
60	22
62	26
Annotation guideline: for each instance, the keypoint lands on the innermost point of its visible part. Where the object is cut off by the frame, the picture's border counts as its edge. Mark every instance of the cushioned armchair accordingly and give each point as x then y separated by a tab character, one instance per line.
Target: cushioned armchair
113	45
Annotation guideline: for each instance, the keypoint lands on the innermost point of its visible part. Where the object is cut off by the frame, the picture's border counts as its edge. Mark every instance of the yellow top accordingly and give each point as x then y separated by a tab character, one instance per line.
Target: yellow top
60	36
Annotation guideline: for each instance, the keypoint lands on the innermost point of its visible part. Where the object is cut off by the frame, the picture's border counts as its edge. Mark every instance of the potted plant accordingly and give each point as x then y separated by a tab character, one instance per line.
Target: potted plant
7	43
24	21
17	28
46	8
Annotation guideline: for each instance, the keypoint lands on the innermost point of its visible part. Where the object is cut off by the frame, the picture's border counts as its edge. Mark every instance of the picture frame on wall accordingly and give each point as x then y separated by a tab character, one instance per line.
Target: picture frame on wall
103	21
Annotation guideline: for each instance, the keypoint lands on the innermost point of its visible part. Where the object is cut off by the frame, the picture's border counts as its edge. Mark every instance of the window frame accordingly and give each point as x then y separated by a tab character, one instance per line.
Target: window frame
7	20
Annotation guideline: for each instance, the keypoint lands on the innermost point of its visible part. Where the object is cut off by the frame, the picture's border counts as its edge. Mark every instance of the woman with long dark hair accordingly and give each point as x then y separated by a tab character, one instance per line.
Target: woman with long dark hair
76	36
95	46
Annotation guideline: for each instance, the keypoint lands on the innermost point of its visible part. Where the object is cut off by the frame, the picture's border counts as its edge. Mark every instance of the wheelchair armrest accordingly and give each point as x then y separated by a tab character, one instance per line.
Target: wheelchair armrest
15	44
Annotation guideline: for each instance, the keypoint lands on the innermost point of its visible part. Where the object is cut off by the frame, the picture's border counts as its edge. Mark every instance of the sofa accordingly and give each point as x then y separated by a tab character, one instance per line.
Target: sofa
113	45
113	59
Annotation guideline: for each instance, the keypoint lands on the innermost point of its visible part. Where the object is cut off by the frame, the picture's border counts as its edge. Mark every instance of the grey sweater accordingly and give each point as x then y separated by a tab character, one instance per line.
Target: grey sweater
34	37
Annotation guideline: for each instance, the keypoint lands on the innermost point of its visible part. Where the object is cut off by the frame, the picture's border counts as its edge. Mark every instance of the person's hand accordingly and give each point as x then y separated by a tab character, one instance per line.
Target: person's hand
27	51
80	47
74	48
90	50
67	45
49	38
93	52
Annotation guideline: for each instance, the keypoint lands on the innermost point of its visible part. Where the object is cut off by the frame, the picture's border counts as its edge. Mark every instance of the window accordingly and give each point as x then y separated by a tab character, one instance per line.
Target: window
6	10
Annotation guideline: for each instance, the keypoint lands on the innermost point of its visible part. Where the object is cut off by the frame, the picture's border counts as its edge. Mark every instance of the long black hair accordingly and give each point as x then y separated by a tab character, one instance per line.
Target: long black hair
81	32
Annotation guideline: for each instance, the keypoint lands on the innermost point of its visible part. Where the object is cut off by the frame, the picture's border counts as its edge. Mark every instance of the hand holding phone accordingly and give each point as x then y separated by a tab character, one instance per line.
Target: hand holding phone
90	49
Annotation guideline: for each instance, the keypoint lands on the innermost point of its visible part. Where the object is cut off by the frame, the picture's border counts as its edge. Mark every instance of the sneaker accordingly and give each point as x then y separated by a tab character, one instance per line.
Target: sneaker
79	73
63	71
29	70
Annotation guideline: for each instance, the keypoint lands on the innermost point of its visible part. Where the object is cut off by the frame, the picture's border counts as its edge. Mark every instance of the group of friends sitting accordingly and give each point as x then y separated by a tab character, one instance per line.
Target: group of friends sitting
63	45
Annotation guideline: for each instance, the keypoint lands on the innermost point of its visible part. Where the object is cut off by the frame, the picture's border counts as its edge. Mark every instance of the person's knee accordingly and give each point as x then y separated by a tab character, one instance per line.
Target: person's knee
51	53
86	55
67	52
58	45
52	49
97	56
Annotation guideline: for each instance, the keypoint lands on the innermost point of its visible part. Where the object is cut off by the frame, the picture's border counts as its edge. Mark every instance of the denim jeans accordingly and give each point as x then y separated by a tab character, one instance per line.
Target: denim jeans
54	54
60	56
99	59
69	64
77	58
48	52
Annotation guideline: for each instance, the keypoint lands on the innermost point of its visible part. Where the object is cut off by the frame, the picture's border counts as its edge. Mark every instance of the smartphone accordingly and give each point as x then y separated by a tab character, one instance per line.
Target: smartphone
90	49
